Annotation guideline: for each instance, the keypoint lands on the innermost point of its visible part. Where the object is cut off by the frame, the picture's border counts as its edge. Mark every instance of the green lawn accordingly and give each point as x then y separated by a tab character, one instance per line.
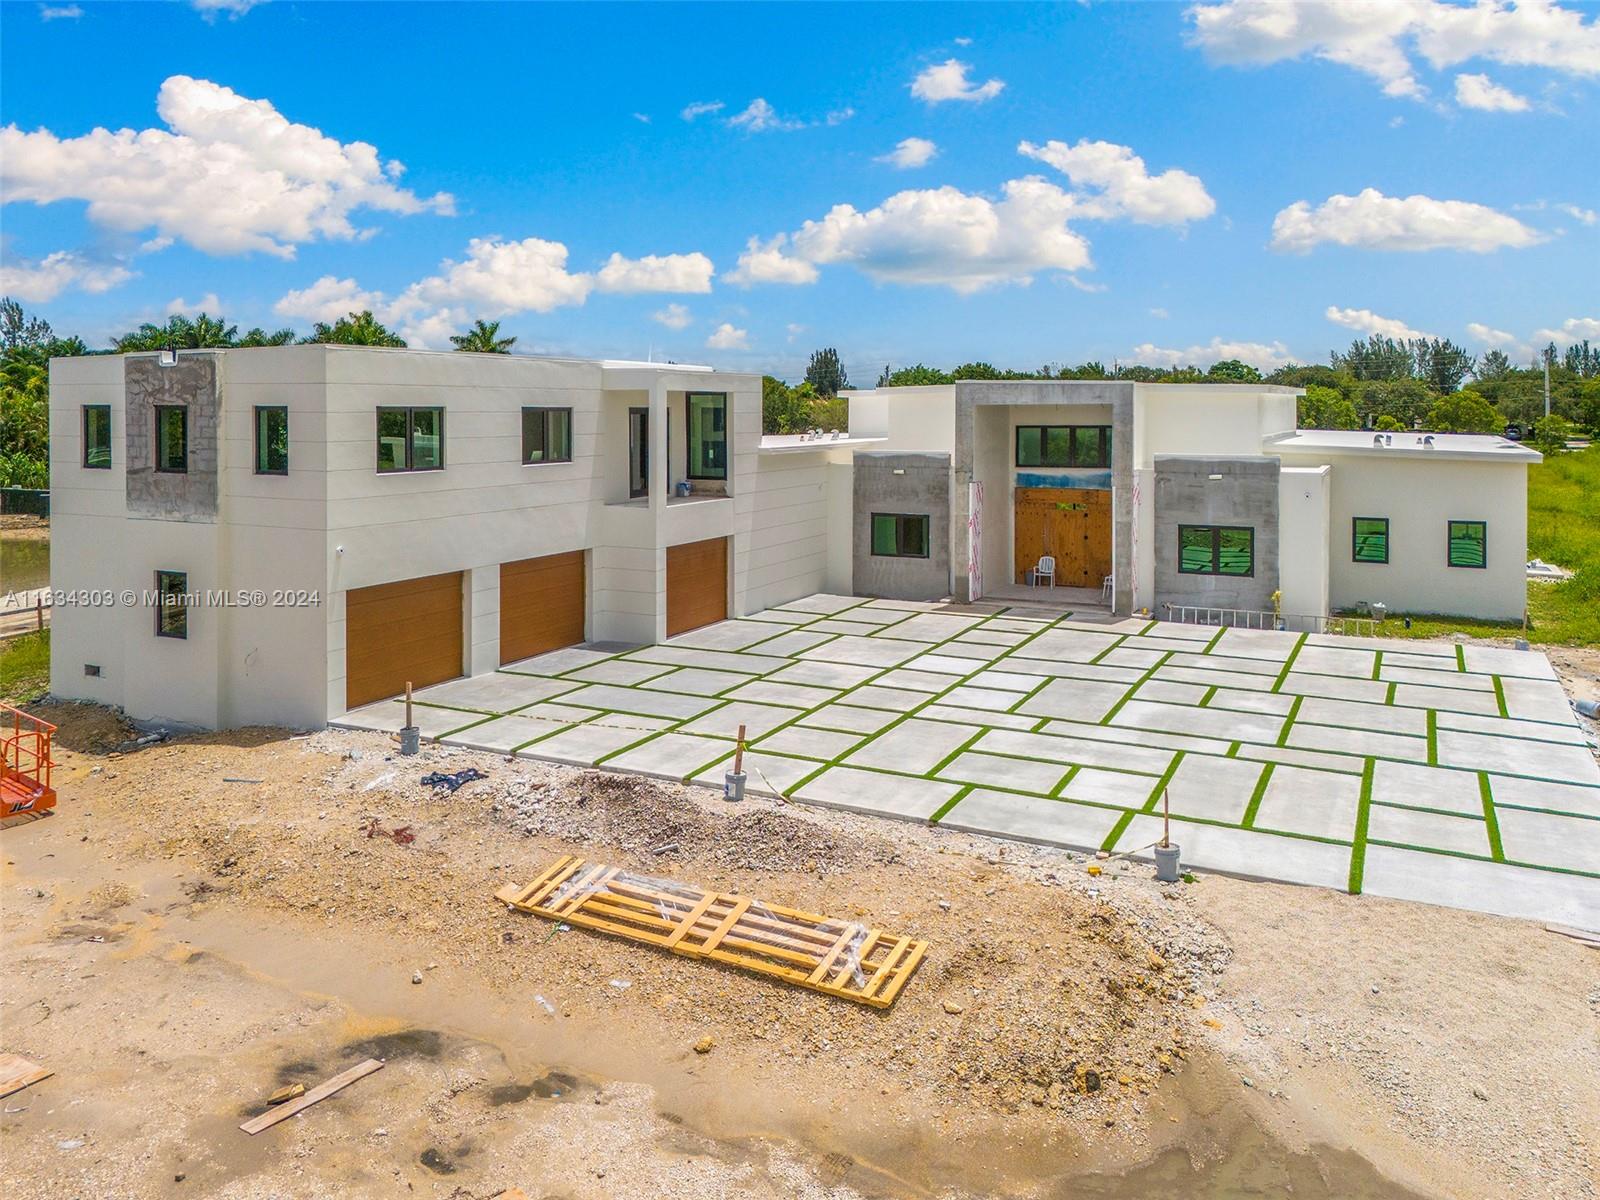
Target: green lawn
1563	528
24	667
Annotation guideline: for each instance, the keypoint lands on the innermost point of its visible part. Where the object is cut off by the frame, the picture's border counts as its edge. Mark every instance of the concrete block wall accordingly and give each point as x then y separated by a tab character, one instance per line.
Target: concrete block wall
887	482
1244	492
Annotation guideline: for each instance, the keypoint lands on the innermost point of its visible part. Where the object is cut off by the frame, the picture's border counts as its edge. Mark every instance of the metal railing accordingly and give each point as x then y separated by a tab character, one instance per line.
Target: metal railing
1253	618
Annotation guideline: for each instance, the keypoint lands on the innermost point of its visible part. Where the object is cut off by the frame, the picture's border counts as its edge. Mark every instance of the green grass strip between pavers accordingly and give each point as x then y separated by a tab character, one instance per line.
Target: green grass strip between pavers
1490	817
954	800
1358	850
1433	738
1500	696
1377	663
1249	819
1288	722
1117	831
1135	686
1161	784
1288	663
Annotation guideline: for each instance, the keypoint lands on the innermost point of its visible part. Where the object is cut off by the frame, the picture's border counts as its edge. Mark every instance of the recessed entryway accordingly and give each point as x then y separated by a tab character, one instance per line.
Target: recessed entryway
1071	525
697	585
541	605
395	633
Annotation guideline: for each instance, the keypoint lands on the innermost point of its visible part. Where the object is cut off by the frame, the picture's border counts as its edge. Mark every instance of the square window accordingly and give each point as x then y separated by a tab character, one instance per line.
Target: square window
410	439
1369	540
97	437
1030	446
272	440
172	604
900	535
172	439
708	435
1216	550
1469	544
546	435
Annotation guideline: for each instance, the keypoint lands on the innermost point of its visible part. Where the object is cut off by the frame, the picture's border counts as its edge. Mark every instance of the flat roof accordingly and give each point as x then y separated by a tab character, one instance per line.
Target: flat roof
1407	444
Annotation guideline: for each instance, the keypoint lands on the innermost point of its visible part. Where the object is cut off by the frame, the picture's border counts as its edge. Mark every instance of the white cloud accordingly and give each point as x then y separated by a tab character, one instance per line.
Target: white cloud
839	116
47	278
1121	185
1586	216
327	300
909	153
642	118
1573	329
726	337
656	273
969	241
795	330
229	175
761	117
1265	357
209	304
766	262
1374	221
962	41
211	9
61	12
1160	314
1479	91
1364	320
673	316
1380	37
1497	339
701	108
948	81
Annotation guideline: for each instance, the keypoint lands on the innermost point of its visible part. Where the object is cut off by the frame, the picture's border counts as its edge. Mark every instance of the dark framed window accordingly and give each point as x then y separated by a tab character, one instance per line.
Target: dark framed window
97	437
1063	445
1216	550
708	435
1469	544
172	604
900	535
410	439
1369	540
546	435
172	439
272	440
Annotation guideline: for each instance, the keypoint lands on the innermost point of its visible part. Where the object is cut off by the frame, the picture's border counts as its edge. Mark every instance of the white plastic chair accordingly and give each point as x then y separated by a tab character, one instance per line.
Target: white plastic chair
1045	570
1105	590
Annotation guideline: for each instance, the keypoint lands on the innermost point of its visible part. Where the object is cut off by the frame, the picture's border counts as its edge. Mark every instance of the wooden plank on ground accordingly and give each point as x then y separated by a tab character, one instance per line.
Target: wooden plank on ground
17	1073
321	1092
836	957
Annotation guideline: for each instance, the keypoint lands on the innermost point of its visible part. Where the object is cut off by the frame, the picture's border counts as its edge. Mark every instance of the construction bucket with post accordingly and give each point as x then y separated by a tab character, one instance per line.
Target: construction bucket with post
25	763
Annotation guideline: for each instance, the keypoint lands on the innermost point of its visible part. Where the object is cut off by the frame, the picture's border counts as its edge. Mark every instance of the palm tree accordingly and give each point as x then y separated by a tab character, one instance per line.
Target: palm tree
201	333
484	338
357	329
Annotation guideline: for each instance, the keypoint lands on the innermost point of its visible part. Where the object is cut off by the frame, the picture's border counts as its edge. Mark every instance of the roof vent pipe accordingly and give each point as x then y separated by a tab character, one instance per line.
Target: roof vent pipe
1428	441
1377	439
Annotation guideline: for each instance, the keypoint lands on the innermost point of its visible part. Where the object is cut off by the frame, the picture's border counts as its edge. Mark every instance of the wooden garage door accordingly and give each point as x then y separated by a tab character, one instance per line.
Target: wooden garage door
541	605
396	632
697	585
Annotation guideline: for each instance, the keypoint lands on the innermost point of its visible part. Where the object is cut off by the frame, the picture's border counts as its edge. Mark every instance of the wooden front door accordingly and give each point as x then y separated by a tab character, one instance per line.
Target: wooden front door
541	605
400	632
1073	525
697	585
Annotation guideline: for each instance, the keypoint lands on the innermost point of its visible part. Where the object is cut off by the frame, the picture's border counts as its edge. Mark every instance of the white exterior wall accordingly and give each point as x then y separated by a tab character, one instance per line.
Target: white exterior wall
1419	498
334	523
1182	418
1304	500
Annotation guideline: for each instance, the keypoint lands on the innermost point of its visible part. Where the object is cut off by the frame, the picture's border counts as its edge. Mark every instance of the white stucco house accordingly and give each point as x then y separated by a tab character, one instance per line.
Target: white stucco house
281	534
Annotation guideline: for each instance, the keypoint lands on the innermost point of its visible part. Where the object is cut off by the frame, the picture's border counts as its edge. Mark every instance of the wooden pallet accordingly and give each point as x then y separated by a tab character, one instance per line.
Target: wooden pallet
839	958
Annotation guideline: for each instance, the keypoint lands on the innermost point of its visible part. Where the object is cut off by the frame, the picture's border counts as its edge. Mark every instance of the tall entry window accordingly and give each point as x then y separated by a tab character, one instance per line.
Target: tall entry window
1216	550
546	435
708	435
410	439
1063	445
638	452
172	604
900	535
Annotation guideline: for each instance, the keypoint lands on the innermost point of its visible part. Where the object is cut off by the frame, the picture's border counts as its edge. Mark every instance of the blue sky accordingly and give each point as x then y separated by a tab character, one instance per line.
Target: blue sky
1145	182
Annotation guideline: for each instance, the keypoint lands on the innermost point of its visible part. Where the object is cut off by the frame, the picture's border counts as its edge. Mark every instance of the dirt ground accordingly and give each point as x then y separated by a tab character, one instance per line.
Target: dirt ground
177	946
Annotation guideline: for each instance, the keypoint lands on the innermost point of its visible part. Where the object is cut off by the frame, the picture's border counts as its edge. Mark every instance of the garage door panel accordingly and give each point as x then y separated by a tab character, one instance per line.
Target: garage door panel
697	585
402	632
541	605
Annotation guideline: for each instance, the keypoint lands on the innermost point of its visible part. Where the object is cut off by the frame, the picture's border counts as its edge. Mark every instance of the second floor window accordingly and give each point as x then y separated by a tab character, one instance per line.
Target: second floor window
172	439
708	435
546	435
410	439
1063	445
272	440
97	436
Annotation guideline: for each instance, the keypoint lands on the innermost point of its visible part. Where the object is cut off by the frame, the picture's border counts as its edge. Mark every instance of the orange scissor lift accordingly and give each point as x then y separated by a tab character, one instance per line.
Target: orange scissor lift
24	763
